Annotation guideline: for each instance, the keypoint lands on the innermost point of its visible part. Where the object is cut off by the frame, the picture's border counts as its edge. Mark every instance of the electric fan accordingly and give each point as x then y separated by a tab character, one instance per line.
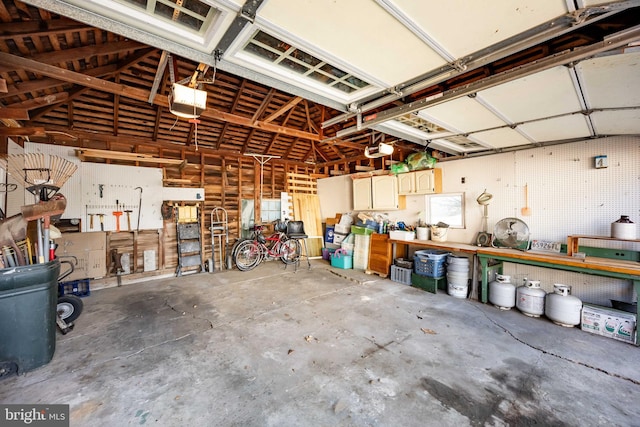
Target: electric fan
511	233
484	238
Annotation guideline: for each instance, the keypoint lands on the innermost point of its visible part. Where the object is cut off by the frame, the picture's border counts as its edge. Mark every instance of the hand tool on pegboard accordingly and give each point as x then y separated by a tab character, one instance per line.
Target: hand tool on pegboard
117	213
91	221
139	207
128	212
101	215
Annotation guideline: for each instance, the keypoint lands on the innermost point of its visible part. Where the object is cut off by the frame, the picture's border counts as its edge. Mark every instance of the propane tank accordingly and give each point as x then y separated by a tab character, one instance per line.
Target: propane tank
502	293
530	298
562	308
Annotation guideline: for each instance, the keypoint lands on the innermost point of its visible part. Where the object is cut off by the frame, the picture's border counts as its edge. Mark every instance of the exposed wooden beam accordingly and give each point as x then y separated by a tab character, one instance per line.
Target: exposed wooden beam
236	99
76	138
42	101
72	95
263	106
312	126
116	108
84	52
142	95
30	131
85	154
14	113
47	28
280	111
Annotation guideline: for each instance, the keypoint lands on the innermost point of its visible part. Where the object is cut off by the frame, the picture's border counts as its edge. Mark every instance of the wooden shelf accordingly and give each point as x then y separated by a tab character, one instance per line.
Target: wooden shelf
85	153
572	241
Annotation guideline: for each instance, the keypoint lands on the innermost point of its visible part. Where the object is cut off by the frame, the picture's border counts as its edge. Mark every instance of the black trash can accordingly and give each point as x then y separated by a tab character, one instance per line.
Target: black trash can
28	299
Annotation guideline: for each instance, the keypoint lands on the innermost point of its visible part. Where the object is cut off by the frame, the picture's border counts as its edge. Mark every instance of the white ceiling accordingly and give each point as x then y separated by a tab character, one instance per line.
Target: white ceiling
387	43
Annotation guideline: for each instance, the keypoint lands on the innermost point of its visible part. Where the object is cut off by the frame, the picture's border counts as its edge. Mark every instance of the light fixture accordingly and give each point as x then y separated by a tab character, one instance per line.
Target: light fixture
187	102
379	150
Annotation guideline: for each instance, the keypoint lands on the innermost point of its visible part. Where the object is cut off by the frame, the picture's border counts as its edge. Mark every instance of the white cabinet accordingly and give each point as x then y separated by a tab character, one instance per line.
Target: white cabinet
426	181
384	190
362	194
376	193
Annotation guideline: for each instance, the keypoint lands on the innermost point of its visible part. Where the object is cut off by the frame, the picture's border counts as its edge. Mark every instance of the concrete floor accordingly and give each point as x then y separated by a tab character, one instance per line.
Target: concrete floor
324	347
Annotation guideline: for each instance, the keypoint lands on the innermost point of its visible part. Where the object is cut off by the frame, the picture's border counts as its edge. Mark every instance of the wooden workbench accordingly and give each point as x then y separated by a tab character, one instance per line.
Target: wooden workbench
629	270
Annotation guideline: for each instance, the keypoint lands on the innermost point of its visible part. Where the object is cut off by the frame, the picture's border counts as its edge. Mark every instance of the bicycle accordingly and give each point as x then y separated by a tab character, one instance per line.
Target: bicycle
249	253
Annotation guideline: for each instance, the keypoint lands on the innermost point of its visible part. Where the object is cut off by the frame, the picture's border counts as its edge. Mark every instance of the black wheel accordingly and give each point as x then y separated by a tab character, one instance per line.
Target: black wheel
69	307
247	255
234	248
290	250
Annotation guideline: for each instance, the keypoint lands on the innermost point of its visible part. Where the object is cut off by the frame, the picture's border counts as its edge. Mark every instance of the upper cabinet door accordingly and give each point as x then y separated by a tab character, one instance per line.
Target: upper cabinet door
362	194
424	182
384	189
406	183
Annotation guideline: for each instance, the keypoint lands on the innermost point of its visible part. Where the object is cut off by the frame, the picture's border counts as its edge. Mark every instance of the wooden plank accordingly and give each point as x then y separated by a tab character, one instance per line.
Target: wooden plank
306	208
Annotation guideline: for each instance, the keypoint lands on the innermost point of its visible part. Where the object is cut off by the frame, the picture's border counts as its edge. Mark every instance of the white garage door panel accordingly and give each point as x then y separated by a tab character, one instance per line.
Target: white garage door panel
543	94
463	115
611	81
617	122
358	32
560	128
500	138
463	26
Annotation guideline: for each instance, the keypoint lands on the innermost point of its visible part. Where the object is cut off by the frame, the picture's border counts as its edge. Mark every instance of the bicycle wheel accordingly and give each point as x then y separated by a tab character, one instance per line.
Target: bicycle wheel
290	251
248	255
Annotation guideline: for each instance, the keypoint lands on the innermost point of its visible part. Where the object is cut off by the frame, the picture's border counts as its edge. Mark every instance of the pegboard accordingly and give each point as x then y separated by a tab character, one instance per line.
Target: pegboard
120	183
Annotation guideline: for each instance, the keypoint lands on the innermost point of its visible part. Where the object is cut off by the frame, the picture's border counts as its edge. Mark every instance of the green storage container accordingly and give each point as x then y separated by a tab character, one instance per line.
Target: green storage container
28	300
429	284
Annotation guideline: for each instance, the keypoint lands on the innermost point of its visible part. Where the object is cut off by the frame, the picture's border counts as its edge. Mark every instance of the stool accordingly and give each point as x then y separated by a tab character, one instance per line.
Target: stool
295	230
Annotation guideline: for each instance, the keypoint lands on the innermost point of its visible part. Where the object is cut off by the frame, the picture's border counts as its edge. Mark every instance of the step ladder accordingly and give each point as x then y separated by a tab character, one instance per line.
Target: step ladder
219	228
188	237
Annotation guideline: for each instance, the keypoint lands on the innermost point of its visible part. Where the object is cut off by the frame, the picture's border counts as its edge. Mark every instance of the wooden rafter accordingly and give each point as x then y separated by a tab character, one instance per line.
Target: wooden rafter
263	106
236	99
280	111
293	144
312	126
141	94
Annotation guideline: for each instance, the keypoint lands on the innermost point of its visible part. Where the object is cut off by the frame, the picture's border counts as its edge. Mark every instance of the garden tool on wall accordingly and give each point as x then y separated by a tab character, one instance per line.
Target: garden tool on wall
43	176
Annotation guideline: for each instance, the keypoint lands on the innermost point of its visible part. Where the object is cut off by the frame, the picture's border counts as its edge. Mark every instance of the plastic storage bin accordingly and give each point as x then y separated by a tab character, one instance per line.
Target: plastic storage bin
430	262
339	259
401	275
78	288
429	284
28	298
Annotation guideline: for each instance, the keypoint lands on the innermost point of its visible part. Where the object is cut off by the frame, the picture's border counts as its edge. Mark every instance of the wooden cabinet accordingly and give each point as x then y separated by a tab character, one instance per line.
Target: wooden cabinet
379	192
426	181
379	254
384	190
362	194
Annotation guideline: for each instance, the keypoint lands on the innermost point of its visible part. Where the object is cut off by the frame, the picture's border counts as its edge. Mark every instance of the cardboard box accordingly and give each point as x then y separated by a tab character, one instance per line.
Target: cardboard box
338	237
608	322
91	251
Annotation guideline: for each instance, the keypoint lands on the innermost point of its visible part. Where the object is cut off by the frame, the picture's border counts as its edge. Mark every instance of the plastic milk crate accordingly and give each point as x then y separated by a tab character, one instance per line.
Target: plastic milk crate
401	275
76	287
430	262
